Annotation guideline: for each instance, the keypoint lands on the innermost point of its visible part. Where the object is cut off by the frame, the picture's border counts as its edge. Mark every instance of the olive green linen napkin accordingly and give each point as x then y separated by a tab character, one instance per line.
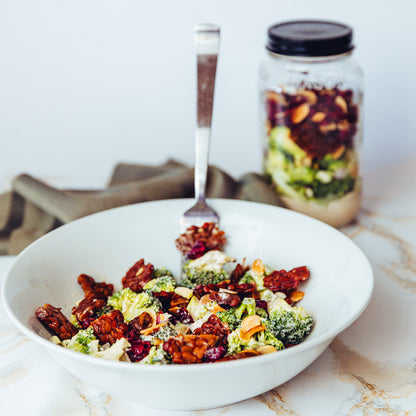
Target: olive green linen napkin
33	208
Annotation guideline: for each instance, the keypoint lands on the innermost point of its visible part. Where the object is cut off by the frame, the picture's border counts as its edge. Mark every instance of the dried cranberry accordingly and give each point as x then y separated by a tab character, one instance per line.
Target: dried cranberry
183	315
197	250
214	354
138	350
261	304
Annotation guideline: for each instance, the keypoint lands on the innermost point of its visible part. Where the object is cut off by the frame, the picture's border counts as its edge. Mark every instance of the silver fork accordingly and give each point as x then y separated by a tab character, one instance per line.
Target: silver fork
207	38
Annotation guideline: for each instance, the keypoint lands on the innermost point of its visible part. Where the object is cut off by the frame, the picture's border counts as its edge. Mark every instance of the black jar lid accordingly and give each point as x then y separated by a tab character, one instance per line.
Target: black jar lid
309	38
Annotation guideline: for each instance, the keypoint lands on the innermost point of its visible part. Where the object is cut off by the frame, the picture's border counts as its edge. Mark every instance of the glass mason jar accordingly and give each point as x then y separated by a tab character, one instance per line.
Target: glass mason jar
311	116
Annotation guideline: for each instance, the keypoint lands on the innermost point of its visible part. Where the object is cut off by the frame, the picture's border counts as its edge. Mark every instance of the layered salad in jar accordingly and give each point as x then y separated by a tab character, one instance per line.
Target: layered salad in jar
312	151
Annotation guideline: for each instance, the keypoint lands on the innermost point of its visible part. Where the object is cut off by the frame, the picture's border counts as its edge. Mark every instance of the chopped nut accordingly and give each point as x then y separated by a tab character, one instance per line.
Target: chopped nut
300	113
339	152
340	102
189	349
245	336
318	117
258	267
275	97
240	355
153	328
343	125
266	349
310	96
250	322
325	128
307	161
296	296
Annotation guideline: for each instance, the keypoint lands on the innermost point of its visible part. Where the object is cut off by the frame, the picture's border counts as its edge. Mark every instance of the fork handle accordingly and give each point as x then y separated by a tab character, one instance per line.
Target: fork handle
207	38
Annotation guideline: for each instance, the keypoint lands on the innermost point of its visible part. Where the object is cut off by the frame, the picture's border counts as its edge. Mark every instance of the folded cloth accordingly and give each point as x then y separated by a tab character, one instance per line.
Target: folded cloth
34	208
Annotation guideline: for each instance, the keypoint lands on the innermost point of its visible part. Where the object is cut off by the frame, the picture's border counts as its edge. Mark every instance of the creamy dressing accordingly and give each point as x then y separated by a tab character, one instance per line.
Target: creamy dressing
337	213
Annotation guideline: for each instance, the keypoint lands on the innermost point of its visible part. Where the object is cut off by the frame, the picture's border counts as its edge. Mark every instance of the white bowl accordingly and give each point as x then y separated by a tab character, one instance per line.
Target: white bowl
106	244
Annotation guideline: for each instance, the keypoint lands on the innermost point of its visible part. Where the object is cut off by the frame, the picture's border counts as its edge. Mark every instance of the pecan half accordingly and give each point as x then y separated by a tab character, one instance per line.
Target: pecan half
138	275
110	327
92	289
189	349
286	282
208	234
280	281
87	309
55	321
242	290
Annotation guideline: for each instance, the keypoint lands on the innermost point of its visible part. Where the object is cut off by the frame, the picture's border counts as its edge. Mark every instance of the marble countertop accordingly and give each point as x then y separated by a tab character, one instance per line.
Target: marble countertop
369	369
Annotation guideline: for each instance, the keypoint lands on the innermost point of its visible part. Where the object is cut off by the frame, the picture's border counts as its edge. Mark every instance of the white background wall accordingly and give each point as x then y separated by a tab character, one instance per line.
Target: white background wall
85	84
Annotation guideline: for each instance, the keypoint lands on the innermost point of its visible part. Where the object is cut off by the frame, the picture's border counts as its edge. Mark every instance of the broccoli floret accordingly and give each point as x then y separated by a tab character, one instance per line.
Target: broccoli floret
132	304
267	338
228	317
194	277
253	278
162	271
166	283
248	306
157	356
289	324
233	316
206	269
80	341
163	334
260	339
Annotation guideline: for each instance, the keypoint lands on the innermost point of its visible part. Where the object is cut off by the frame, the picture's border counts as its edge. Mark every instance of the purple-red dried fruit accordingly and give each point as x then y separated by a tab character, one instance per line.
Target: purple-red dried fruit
182	315
139	349
197	250
214	354
261	304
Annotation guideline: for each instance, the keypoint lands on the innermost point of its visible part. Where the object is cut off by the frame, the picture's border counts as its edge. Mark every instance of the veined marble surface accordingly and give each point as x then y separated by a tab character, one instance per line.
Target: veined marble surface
369	369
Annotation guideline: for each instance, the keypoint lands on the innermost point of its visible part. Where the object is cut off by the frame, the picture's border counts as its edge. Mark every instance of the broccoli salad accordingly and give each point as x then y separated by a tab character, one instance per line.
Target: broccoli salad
220	310
312	138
